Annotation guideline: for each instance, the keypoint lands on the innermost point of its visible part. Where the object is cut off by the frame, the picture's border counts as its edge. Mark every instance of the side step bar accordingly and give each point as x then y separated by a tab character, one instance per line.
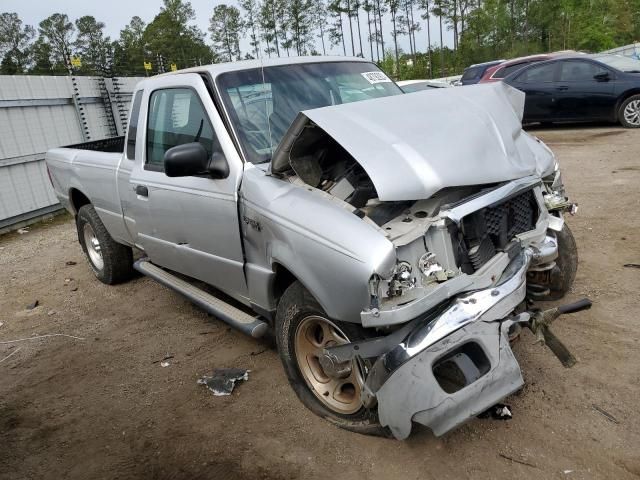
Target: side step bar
227	313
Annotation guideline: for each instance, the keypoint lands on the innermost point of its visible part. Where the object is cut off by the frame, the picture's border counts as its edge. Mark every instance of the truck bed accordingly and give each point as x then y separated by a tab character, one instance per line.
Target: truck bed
89	169
107	145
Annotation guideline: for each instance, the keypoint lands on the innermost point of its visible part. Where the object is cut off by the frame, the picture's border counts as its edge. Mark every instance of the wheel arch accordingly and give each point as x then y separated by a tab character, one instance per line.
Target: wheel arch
628	93
282	279
77	199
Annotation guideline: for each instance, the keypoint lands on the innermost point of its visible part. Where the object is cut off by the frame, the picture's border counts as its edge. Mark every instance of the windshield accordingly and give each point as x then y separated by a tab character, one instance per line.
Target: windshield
263	102
626	64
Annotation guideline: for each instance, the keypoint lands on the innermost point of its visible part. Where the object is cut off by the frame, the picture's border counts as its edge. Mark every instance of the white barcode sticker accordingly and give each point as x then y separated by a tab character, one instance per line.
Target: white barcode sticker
375	77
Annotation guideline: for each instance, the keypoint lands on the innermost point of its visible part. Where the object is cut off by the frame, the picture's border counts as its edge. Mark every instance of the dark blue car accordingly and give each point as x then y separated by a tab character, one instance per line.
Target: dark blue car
581	88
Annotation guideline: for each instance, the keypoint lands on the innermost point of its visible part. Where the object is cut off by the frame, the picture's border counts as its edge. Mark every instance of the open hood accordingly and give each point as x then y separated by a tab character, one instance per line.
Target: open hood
414	145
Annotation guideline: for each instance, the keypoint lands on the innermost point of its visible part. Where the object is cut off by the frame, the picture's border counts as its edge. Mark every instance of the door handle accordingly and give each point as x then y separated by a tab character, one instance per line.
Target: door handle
562	87
142	191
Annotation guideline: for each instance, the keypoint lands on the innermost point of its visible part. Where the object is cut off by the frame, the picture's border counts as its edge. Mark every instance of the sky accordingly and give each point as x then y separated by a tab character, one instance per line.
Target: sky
117	13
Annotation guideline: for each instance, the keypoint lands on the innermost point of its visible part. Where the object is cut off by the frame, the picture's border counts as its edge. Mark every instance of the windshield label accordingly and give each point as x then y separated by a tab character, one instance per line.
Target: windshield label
375	77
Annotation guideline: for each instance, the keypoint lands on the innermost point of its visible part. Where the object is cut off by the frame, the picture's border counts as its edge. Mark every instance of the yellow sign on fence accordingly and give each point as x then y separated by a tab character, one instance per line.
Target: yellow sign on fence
173	67
76	62
147	65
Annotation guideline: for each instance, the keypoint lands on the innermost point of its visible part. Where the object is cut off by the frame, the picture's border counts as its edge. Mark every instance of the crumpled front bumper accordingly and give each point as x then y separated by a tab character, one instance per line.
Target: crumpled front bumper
472	333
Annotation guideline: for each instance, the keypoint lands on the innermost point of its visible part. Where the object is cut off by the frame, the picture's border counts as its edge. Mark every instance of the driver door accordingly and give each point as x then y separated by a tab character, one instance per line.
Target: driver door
187	224
580	95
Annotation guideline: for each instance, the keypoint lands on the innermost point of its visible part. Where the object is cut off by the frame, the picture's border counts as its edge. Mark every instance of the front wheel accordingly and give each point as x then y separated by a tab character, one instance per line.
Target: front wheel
303	329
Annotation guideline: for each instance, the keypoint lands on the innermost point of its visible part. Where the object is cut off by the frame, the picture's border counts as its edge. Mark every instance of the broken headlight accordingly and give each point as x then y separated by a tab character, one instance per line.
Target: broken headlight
432	270
402	279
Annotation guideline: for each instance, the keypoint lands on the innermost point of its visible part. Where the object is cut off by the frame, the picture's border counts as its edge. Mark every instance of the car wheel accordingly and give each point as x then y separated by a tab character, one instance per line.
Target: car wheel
302	330
564	273
110	261
629	112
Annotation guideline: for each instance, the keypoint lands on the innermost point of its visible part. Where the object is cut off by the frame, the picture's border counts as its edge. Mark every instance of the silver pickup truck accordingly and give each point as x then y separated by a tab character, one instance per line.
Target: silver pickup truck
393	243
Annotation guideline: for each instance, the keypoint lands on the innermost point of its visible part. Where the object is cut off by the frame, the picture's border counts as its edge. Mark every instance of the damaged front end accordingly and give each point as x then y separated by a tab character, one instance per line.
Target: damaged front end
476	239
460	292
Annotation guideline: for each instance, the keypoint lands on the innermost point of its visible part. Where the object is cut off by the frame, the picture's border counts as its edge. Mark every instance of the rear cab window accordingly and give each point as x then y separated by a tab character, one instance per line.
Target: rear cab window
132	131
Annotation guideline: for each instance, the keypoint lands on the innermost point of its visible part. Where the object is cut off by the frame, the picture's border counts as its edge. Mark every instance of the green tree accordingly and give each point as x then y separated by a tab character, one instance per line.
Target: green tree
58	31
368	7
129	49
93	48
15	41
225	27
425	7
170	37
397	29
269	26
336	30
319	20
251	23
299	18
40	53
284	27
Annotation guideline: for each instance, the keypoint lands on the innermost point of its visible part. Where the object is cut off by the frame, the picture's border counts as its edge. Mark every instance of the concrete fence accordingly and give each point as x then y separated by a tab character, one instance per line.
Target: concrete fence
39	113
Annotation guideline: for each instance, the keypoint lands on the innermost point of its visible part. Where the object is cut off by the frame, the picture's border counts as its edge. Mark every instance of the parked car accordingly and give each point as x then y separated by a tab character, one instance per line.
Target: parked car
409	86
474	73
581	88
380	256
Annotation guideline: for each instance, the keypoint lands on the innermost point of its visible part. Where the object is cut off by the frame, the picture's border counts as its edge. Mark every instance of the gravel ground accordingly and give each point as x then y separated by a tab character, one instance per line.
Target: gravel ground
102	406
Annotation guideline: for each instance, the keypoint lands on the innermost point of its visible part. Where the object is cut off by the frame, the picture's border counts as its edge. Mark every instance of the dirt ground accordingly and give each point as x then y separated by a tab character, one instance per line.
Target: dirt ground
102	406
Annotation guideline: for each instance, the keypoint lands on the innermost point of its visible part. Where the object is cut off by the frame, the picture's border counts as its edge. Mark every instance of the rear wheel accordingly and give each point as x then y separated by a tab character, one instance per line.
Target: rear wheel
332	392
110	261
629	112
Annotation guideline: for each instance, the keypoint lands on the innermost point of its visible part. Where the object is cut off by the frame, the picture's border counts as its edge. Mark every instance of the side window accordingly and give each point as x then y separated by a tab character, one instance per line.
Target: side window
471	72
538	74
577	71
176	116
509	69
132	131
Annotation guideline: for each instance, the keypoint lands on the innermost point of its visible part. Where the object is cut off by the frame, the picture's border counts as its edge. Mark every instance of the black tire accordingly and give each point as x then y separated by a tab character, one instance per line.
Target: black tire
117	258
621	117
564	273
295	305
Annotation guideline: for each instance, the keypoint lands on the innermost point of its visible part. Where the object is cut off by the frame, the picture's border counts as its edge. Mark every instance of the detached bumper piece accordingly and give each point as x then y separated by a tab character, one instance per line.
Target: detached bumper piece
451	381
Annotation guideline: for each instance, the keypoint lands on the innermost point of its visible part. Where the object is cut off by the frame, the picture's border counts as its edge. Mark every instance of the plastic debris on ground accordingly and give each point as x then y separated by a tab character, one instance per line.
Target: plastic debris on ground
498	412
223	380
22	231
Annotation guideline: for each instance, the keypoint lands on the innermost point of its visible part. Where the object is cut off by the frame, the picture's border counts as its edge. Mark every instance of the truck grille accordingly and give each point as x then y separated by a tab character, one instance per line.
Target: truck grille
490	229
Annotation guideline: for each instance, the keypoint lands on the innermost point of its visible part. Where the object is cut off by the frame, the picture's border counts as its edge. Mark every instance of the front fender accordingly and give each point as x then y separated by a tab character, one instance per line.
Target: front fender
329	249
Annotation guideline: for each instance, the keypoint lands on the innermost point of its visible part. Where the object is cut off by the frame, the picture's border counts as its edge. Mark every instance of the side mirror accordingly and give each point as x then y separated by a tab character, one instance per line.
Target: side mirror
191	159
218	166
602	77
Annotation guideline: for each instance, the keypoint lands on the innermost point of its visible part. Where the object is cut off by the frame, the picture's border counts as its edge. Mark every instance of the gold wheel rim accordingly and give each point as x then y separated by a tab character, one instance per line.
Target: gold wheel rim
341	395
